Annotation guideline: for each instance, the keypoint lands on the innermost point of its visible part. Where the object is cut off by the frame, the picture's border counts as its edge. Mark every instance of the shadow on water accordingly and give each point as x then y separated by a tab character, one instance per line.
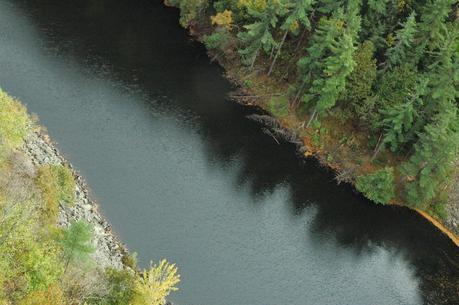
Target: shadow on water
127	40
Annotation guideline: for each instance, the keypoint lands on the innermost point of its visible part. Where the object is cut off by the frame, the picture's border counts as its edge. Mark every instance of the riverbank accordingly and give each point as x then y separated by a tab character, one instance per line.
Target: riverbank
336	143
109	251
277	130
292	129
55	246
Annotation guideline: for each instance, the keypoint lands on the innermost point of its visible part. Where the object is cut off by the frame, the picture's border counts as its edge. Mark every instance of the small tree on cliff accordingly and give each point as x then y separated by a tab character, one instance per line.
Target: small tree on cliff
75	242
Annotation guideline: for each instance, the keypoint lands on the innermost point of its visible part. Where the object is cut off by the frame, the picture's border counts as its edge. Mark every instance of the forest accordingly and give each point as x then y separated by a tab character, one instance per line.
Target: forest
43	263
371	86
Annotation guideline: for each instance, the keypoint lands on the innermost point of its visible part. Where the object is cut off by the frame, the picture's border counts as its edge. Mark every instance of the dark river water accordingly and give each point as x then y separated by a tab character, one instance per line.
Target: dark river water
182	174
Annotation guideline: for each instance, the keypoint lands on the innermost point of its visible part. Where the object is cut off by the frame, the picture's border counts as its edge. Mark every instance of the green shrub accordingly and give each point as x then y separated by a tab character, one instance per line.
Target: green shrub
217	40
121	284
130	260
439	210
42	266
278	106
378	186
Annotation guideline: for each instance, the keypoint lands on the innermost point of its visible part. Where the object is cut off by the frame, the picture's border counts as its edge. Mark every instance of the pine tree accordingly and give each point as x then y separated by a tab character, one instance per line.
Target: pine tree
401	51
330	60
298	13
75	242
378	186
189	9
379	20
443	72
358	94
258	34
432	23
329	6
401	121
325	36
325	91
436	151
435	154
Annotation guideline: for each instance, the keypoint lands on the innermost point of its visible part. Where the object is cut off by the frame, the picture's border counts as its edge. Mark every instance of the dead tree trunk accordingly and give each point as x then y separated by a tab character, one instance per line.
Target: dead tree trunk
277	53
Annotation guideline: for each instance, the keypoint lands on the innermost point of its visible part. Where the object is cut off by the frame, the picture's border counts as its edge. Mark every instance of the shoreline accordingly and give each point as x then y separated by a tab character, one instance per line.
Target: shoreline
452	236
109	250
278	129
276	126
245	96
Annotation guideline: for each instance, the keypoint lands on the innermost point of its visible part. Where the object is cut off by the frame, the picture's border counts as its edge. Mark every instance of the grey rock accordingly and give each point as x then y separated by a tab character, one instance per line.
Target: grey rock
109	250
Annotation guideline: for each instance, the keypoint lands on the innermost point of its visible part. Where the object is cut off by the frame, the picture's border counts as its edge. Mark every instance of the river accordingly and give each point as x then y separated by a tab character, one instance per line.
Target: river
181	173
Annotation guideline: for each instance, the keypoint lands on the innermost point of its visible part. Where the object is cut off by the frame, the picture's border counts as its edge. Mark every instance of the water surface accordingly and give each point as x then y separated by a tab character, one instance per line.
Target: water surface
181	173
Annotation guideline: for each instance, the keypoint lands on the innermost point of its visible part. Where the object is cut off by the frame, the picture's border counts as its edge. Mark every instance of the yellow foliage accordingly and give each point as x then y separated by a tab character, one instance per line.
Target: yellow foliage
14	124
256	5
224	19
295	26
49	193
401	5
51	296
4	302
154	285
390	40
339	24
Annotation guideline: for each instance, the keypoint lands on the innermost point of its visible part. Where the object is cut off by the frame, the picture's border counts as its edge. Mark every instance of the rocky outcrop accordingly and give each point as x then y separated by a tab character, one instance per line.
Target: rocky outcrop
109	250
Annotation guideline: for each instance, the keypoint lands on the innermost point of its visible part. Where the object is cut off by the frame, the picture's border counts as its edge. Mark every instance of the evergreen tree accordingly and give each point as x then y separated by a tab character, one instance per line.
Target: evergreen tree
190	10
436	151
401	51
329	6
435	154
379	19
432	25
358	94
329	61
401	82
378	186
75	242
258	34
401	121
298	13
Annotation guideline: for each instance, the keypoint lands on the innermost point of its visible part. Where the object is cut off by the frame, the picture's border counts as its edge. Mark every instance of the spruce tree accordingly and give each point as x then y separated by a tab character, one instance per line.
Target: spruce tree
379	19
258	36
401	51
75	242
330	60
329	6
358	95
432	25
298	13
402	121
436	151
429	168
